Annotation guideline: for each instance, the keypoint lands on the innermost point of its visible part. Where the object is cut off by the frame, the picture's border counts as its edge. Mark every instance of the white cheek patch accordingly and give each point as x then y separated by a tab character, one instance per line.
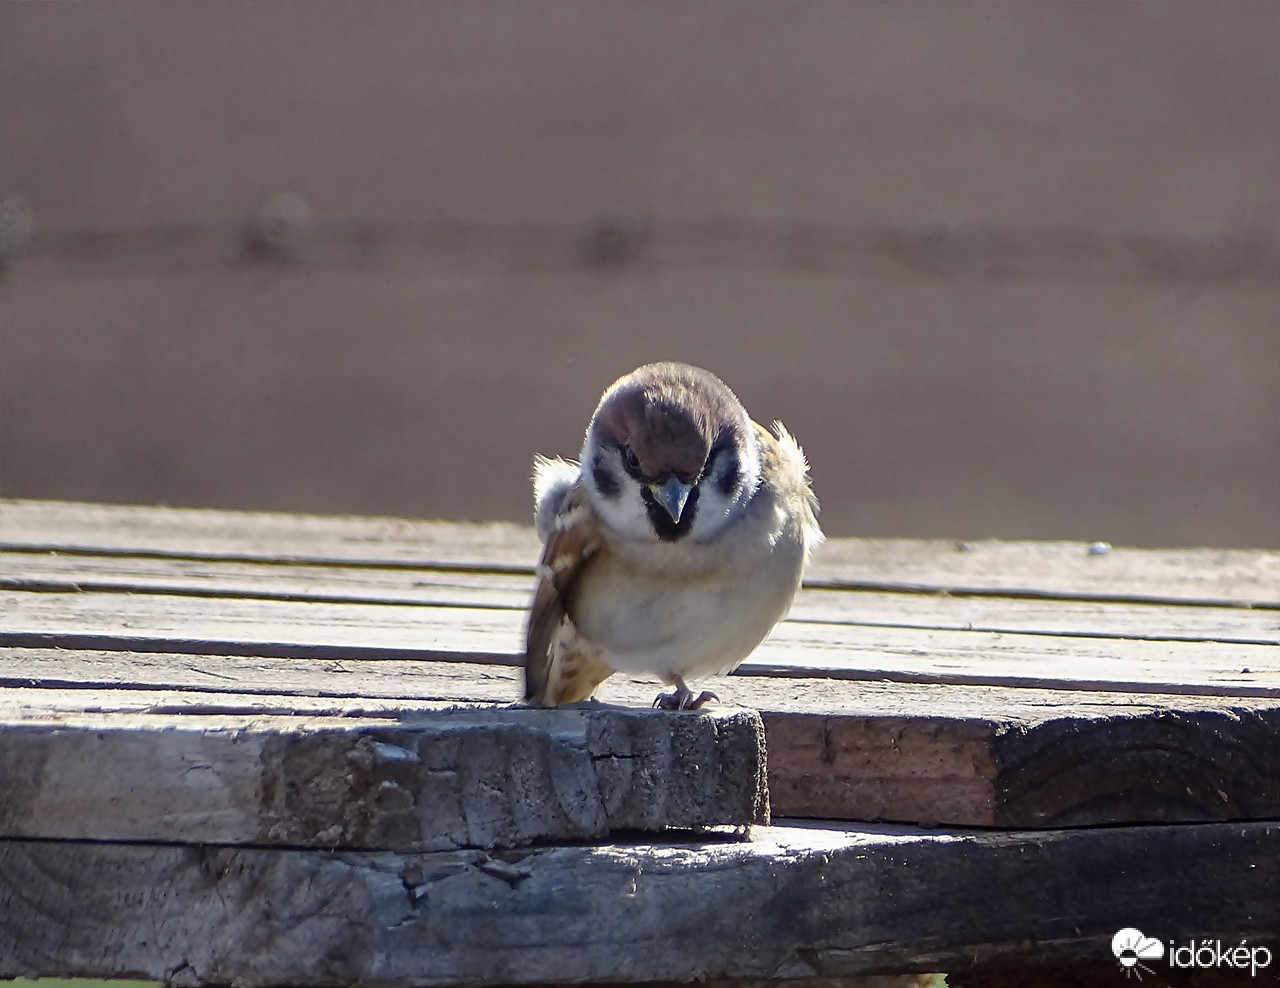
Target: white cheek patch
715	507
624	514
714	512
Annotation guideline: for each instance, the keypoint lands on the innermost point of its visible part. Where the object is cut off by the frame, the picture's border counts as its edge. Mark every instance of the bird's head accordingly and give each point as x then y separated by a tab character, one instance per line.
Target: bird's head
670	454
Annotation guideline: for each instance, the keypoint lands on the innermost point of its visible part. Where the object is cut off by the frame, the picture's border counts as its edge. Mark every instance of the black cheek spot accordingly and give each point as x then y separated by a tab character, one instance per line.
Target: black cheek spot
731	479
606	483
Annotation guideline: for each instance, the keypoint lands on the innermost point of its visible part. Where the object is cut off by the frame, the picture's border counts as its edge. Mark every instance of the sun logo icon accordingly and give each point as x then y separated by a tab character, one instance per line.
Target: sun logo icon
1132	947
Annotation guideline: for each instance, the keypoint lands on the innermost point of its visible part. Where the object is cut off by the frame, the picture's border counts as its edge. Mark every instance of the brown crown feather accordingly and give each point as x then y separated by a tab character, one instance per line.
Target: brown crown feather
669	414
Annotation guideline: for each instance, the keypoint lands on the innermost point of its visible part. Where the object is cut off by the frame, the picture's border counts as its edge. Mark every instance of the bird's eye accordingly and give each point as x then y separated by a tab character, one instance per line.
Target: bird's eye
629	458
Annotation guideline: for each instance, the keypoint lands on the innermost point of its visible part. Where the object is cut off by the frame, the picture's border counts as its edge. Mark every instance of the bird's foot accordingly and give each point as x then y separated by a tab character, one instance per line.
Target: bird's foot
683	698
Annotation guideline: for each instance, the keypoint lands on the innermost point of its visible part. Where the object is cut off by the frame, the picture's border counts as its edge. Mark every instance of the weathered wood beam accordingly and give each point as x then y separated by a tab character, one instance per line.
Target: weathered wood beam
825	901
1074	765
963	755
437	779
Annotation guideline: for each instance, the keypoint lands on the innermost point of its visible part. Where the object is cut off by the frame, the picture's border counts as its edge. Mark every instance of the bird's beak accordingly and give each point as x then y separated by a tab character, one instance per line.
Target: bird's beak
672	496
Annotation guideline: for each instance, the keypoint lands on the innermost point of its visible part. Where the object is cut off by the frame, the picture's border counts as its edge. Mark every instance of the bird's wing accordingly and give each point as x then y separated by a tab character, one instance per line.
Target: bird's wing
572	541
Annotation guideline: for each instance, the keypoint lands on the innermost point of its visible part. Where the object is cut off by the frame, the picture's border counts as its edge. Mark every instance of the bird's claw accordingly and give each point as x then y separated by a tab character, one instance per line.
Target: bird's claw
683	699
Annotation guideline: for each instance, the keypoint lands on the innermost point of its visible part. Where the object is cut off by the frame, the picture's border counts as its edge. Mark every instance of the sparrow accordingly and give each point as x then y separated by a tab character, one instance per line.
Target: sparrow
673	547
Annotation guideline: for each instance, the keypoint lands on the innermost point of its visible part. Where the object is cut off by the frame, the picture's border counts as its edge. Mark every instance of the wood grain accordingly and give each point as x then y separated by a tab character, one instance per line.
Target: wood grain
486	777
991	707
915	753
1076	767
66	676
70	526
1073	975
334	582
318	629
1054	569
794	902
50	571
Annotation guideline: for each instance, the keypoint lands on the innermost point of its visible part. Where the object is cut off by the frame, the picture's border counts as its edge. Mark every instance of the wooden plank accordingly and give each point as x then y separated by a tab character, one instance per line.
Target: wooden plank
48	571
51	570
991	658
1226	576
261	627
441	779
809	649
354	684
963	755
797	901
205	532
154	709
1070	768
1054	569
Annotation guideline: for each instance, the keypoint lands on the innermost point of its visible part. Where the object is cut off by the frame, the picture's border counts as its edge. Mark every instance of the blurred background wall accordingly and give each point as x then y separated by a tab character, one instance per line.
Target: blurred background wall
1005	269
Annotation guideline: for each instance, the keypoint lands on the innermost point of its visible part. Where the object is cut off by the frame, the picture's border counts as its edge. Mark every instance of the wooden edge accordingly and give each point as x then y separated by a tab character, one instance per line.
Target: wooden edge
875	750
1065	769
796	902
483	777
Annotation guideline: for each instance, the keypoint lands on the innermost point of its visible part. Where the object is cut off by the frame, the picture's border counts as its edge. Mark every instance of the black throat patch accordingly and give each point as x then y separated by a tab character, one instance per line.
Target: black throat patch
666	529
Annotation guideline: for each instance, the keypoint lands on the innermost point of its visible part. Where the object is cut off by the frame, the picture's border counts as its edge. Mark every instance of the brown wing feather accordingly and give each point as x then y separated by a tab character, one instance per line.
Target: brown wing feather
573	540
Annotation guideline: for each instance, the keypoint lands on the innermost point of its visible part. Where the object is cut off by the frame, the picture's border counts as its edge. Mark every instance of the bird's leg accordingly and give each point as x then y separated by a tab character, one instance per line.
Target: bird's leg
682	698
